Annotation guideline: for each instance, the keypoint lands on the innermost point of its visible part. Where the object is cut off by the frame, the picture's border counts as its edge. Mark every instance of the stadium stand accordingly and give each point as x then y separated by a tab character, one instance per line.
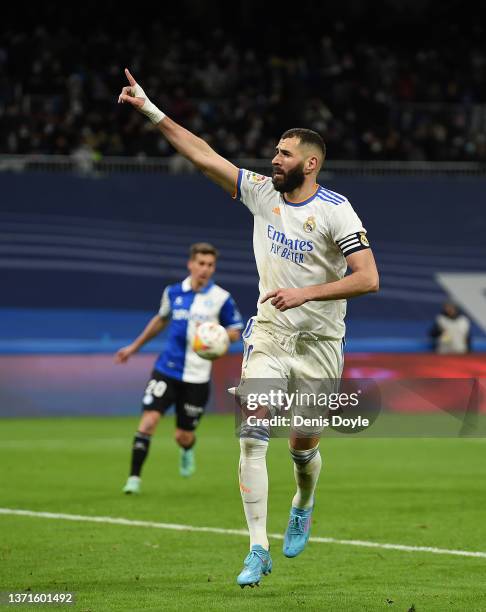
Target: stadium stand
391	98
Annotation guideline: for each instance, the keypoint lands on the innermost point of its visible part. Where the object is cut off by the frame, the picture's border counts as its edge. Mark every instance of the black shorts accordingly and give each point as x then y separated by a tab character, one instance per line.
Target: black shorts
190	399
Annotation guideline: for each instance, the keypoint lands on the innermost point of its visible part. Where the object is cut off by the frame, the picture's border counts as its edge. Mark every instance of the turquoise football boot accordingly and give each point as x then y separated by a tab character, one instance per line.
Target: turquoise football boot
187	465
298	531
133	485
258	563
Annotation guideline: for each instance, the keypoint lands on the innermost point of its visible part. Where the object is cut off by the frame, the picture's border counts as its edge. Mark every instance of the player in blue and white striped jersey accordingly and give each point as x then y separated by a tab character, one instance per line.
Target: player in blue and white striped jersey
180	377
305	238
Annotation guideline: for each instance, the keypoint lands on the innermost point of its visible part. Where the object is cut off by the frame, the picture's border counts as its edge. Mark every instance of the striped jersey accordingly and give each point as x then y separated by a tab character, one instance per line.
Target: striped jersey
186	309
301	244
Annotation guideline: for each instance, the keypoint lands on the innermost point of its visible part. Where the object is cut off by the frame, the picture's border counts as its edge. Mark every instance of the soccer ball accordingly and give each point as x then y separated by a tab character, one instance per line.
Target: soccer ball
210	341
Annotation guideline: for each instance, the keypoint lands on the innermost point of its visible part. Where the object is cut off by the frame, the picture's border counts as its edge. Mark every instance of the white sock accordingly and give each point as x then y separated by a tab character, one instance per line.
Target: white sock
307	467
254	488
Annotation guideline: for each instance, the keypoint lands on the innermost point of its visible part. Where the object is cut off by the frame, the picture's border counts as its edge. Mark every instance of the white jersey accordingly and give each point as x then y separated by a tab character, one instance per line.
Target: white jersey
454	337
298	245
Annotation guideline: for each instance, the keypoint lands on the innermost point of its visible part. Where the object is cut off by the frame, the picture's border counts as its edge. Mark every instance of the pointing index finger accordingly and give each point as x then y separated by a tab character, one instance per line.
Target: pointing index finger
268	295
130	78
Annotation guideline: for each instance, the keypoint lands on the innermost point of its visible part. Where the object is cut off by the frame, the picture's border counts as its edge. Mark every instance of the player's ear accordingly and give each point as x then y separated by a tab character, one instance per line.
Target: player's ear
311	164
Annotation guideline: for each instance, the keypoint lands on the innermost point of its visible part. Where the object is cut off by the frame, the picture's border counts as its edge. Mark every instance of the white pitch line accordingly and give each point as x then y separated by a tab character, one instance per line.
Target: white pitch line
240	532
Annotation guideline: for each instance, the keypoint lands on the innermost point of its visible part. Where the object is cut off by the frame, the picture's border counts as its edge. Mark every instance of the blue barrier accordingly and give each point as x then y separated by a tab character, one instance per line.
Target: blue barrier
106	247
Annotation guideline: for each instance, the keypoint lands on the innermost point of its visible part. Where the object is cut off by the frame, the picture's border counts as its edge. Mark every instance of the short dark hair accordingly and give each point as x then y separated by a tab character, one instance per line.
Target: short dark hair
203	248
307	137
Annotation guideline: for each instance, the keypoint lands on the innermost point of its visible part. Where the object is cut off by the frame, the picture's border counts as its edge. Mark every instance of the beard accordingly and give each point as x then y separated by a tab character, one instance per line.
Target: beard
289	181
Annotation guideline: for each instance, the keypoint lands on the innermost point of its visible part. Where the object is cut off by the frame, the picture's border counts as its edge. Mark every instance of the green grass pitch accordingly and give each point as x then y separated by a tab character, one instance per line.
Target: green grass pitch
417	492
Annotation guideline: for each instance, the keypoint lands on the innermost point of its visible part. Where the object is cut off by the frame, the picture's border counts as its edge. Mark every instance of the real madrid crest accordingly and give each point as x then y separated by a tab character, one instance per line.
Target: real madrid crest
363	239
309	224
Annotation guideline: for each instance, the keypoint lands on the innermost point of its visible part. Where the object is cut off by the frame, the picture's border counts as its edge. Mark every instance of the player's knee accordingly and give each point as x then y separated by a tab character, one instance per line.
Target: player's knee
149	422
184	438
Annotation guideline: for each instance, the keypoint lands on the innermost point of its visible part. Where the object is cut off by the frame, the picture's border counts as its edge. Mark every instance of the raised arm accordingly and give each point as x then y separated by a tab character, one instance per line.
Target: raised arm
195	149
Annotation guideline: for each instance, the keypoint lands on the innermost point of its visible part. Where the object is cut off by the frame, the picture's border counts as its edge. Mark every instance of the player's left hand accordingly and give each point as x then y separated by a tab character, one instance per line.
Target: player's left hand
284	299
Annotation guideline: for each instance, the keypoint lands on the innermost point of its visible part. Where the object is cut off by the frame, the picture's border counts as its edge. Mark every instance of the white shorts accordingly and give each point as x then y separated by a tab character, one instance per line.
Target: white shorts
298	363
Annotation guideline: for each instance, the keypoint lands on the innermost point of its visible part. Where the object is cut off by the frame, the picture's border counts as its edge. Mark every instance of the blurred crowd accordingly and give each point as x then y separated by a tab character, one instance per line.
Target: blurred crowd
412	97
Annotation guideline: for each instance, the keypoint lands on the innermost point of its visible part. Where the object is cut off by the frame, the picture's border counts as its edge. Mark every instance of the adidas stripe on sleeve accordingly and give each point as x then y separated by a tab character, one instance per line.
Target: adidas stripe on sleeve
353	243
346	229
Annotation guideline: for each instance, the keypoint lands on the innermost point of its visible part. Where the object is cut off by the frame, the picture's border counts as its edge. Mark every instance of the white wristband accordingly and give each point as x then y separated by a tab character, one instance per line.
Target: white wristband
148	109
152	112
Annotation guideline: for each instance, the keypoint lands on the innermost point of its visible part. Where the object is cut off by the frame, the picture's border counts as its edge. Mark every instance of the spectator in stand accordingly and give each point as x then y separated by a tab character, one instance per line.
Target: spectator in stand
451	332
371	94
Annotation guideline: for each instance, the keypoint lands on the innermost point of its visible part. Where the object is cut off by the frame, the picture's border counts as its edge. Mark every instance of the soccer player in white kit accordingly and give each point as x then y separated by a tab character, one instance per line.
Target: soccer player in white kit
305	237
